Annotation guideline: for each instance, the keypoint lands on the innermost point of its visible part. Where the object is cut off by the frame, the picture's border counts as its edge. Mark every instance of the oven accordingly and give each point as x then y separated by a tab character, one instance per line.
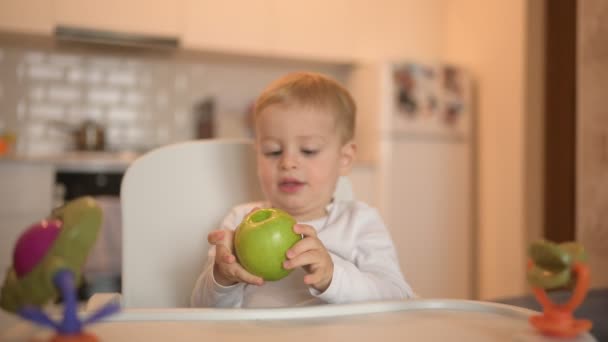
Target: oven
102	271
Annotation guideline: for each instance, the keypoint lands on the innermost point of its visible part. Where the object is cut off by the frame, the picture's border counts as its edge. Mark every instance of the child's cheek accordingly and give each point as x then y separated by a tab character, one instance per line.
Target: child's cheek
267	177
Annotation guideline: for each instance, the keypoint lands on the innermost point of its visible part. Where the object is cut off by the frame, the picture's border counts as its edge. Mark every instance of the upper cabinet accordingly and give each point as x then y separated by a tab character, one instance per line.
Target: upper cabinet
30	16
317	29
397	29
230	26
313	29
155	17
331	31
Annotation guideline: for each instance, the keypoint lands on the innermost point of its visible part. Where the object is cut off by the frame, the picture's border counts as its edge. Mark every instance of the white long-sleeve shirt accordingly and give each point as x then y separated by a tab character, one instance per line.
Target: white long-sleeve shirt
366	266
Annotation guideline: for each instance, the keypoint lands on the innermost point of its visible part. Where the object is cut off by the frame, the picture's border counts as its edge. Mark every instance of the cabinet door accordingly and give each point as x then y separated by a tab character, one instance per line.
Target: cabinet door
398	29
32	16
26	197
315	28
158	17
229	25
26	188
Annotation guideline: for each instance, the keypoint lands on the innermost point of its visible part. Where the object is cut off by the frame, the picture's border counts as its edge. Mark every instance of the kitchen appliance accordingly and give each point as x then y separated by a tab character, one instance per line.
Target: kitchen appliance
204	115
68	33
416	123
102	272
89	135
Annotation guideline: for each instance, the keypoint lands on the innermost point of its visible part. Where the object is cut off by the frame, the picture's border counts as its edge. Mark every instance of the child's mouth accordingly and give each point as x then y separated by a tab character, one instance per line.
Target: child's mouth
290	185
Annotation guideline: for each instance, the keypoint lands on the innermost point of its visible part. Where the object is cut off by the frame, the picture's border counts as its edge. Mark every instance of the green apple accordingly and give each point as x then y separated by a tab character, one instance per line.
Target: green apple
261	242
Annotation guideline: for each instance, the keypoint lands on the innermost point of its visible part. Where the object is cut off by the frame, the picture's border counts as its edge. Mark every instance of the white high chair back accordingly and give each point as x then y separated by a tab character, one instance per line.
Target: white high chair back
171	198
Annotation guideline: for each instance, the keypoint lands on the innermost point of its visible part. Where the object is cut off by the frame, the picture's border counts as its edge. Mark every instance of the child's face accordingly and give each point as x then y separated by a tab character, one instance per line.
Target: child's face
300	157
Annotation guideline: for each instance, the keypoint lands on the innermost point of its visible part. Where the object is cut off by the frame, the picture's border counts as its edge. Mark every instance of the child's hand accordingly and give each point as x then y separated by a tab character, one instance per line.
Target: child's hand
226	270
313	256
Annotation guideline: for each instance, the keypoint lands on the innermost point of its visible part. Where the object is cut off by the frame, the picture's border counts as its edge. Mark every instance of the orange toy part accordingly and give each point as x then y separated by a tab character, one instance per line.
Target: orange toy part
557	319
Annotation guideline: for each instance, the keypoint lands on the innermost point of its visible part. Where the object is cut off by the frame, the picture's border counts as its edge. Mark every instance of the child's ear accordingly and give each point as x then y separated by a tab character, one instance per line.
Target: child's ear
348	153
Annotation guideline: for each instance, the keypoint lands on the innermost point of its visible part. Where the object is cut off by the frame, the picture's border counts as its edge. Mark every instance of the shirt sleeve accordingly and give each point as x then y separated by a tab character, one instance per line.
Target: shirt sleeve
207	292
371	272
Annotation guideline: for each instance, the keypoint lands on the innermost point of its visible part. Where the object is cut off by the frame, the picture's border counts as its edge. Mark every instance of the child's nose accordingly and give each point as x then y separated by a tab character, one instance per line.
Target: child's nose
288	162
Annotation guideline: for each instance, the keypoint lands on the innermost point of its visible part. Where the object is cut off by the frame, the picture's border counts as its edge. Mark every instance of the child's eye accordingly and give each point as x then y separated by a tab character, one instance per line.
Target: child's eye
273	153
309	152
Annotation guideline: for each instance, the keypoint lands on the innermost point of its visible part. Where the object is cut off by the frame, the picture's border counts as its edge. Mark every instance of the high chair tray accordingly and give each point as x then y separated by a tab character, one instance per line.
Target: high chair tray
414	320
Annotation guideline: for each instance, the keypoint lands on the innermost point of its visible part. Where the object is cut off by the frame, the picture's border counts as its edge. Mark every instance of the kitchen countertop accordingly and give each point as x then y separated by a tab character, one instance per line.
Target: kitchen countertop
93	161
80	161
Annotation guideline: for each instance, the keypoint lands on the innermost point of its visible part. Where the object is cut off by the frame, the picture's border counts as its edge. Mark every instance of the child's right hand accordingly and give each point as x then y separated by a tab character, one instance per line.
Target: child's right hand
226	270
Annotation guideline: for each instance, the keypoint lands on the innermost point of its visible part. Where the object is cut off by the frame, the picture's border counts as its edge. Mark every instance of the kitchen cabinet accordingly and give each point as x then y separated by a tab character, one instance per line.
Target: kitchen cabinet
315	28
397	29
230	26
29	16
26	196
26	187
155	17
332	31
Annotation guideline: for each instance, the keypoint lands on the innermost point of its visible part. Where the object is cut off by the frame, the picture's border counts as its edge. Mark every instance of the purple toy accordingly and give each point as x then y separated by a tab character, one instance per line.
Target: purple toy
33	245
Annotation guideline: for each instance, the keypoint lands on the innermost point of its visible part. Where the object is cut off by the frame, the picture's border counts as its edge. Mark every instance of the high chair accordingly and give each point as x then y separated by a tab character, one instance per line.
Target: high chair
171	198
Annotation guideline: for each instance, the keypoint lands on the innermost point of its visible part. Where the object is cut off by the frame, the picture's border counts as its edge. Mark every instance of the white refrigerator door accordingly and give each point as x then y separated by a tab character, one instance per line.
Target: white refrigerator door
415	124
428	208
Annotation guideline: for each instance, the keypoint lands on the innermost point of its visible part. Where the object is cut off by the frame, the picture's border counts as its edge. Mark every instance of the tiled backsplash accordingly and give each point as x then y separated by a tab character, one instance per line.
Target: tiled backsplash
142	102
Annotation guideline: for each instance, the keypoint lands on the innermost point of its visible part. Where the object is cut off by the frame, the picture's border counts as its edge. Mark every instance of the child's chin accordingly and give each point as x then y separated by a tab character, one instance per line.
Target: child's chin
290	205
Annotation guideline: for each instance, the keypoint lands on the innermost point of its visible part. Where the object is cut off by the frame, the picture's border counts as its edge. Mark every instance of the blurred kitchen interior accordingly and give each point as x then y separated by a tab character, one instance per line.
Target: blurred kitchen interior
76	112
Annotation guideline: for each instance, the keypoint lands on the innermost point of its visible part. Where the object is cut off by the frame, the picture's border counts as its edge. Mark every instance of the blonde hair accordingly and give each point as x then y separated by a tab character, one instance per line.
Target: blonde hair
311	89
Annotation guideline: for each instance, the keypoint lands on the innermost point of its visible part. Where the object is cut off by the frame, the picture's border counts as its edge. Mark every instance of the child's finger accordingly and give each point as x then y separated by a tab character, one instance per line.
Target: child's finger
303	246
312	278
215	237
229	259
223	254
307	258
253	209
247	277
305	230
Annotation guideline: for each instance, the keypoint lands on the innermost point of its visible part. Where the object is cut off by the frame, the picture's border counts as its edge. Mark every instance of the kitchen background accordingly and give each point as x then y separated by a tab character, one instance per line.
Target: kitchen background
230	49
141	103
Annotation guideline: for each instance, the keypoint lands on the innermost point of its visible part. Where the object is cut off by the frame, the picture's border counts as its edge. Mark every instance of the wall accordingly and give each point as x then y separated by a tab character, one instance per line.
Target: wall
592	136
144	102
489	39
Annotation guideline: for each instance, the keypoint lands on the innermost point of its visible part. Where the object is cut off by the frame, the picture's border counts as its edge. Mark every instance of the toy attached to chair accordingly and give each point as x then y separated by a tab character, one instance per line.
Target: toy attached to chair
556	266
47	261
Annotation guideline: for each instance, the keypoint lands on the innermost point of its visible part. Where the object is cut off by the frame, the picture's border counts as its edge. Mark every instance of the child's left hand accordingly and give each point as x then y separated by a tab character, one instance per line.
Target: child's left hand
311	254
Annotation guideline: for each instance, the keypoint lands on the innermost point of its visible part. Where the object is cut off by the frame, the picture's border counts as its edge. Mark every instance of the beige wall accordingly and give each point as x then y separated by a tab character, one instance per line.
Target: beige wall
489	38
592	135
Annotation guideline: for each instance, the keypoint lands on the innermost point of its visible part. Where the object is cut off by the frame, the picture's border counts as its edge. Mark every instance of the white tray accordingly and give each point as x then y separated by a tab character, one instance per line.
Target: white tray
414	320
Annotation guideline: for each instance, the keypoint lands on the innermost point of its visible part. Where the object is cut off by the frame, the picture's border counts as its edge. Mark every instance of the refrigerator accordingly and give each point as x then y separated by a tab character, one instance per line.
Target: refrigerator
416	125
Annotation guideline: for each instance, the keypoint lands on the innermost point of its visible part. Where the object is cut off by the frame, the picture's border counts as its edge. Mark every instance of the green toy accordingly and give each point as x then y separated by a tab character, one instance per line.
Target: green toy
47	261
81	220
553	264
558	266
